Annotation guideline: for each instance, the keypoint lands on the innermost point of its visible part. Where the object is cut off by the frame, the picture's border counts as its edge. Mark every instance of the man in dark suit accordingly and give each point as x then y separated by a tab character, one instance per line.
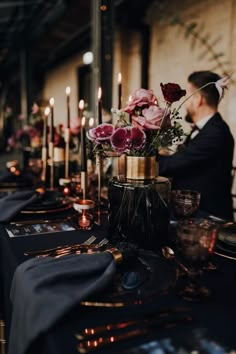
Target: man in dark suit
204	164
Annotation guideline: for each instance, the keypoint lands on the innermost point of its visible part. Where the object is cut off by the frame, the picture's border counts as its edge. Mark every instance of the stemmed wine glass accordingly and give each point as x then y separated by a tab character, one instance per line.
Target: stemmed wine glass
195	243
184	203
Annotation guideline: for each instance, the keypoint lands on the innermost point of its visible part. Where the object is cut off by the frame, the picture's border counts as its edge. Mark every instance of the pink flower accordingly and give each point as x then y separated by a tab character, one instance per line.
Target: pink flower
101	134
140	98
151	119
128	138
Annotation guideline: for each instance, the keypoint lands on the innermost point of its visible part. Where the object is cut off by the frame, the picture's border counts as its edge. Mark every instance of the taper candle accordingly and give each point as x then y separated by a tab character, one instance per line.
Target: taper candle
44	147
119	90
68	91
51	102
45	125
130	116
91	122
83	147
81	109
99	105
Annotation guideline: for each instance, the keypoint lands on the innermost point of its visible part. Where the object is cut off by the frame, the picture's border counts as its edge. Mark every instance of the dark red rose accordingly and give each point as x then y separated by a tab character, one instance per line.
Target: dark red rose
172	92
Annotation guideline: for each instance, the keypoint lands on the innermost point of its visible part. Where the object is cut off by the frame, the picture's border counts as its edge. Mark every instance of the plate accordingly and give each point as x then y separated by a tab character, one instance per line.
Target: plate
225	255
156	275
224	249
49	202
228	235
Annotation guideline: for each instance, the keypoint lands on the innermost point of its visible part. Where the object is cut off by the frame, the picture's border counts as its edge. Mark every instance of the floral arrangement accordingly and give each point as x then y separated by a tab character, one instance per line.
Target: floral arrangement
143	126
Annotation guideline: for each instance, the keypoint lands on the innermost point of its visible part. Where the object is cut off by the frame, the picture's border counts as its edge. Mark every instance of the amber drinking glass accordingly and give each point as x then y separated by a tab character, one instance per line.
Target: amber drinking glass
195	244
184	203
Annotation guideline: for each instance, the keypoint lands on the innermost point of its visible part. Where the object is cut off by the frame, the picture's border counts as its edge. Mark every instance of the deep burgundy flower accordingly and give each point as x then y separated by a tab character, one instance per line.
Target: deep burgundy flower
101	134
137	138
119	139
172	92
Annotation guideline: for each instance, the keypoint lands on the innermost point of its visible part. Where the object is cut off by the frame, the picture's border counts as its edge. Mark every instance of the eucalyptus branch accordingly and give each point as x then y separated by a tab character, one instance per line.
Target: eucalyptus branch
191	28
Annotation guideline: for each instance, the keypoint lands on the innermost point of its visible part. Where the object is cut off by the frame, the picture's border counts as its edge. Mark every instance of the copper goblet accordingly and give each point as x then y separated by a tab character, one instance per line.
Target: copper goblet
184	203
195	243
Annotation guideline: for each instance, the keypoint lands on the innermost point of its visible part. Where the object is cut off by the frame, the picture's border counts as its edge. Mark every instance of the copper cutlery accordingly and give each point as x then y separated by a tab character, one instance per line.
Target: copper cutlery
103	336
86	247
48	251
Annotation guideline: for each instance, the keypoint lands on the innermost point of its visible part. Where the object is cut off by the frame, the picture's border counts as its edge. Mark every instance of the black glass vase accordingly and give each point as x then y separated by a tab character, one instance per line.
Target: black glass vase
138	211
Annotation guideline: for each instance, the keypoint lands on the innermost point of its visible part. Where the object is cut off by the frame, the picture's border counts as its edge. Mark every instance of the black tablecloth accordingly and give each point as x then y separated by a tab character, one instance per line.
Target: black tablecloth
214	319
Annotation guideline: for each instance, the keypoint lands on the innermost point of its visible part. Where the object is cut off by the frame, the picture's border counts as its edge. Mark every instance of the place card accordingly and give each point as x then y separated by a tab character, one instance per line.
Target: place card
40	228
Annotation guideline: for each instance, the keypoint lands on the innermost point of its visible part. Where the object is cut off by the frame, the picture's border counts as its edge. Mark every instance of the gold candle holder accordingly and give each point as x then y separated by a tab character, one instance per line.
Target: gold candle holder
13	167
84	183
65	183
51	154
99	172
85	207
67	151
44	159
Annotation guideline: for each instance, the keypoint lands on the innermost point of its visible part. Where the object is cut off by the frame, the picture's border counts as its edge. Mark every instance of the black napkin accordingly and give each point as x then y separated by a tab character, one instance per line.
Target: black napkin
13	203
45	289
23	179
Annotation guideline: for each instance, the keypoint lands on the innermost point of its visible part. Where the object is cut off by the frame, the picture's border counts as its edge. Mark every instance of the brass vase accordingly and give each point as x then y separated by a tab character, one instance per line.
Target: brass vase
141	167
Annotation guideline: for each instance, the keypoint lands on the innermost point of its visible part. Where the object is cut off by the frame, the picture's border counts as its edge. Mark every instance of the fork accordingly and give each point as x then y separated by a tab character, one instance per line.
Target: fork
48	251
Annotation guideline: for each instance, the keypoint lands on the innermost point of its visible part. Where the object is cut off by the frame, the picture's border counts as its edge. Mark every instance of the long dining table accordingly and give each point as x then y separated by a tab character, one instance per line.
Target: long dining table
204	326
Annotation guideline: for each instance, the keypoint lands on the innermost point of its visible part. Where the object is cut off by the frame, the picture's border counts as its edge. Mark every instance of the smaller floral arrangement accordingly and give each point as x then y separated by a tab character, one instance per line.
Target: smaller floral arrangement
144	126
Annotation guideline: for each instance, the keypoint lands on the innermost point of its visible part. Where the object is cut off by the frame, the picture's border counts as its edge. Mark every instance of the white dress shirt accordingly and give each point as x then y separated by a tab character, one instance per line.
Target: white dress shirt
200	124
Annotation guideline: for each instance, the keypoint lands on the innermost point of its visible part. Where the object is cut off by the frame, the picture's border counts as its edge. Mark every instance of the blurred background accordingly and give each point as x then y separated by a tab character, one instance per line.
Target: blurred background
46	46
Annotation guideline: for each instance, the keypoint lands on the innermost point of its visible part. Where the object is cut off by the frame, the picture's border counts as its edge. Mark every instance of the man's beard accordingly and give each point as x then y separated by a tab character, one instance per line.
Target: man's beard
188	118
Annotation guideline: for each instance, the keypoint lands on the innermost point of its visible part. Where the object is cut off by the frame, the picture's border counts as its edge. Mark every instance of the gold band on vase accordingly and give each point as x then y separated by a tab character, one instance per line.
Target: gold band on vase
141	167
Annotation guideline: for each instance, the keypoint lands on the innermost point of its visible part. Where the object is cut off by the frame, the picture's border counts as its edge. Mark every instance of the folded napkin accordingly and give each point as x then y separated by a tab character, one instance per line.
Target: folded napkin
22	179
13	203
45	289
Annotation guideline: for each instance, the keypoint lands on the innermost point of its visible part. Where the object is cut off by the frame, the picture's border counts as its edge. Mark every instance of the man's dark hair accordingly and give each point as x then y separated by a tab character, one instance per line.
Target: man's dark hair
201	78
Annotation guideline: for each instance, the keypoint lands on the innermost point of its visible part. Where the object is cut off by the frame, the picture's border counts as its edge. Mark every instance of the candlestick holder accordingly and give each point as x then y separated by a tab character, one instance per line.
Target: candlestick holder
13	167
76	189
67	151
99	172
85	208
51	154
84	183
65	184
44	159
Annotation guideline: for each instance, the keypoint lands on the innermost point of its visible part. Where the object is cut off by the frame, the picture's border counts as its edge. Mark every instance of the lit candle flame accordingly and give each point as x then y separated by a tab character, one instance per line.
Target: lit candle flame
119	78
130	98
83	121
81	105
47	111
91	122
68	90
51	101
99	93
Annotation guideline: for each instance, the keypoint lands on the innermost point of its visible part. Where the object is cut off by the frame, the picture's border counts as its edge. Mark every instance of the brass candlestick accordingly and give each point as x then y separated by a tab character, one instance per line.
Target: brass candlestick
51	154
44	159
67	151
99	171
84	183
